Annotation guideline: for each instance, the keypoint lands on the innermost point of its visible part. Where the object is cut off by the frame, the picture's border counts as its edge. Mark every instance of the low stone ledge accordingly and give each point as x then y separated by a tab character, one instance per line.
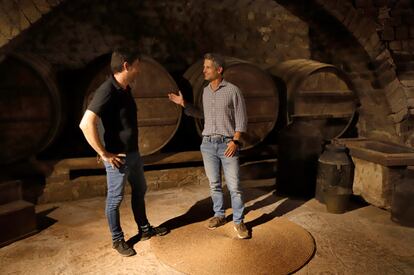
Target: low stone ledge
94	186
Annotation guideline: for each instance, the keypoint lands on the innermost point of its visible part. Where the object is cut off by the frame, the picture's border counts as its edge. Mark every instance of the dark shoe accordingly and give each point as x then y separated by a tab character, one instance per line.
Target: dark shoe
123	248
215	222
241	230
153	231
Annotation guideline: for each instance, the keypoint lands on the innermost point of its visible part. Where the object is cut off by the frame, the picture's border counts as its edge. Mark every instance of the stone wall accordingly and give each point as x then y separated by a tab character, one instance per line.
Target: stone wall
17	16
176	33
395	25
370	40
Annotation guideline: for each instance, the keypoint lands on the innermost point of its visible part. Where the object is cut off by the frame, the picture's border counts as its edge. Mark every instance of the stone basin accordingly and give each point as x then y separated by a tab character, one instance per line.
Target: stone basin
381	152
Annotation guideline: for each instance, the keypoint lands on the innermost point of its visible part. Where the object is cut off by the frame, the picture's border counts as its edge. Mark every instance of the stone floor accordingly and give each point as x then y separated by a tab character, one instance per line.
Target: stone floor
74	238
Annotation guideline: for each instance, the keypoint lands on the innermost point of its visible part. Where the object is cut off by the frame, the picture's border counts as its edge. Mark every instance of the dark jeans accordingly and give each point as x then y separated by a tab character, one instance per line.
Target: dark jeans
116	178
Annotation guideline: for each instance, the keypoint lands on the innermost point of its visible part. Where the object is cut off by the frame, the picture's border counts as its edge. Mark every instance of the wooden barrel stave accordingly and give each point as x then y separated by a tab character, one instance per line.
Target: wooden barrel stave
259	92
319	90
158	118
31	107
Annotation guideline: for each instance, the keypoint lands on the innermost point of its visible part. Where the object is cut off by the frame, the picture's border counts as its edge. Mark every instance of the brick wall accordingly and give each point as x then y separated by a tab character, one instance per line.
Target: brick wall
17	16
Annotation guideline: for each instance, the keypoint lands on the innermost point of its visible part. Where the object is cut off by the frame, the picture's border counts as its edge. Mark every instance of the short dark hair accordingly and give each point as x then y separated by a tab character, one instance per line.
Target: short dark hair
122	55
217	59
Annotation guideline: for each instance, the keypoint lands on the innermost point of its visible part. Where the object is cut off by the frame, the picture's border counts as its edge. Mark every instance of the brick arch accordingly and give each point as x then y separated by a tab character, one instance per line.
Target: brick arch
363	29
17	17
358	24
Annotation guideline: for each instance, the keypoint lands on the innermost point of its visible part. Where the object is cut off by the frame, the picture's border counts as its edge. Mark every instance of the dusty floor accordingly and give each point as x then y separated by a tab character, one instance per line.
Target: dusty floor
75	238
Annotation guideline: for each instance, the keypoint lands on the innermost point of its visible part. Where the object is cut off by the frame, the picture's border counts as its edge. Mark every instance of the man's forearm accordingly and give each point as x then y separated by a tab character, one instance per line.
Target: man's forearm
92	136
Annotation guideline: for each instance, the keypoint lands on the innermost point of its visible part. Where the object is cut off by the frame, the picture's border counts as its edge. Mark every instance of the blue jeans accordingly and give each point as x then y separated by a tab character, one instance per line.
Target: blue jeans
132	170
212	150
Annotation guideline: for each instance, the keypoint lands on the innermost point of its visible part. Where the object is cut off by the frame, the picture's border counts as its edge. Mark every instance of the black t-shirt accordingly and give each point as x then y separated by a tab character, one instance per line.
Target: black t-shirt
117	109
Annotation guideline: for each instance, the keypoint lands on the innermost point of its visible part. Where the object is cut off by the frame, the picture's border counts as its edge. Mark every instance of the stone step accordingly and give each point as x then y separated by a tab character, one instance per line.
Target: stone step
10	191
403	57
406	76
17	220
405	66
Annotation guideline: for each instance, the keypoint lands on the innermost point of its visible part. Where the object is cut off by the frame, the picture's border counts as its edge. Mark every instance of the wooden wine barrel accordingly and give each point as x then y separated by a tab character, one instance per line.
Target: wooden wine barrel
320	91
158	118
31	111
259	92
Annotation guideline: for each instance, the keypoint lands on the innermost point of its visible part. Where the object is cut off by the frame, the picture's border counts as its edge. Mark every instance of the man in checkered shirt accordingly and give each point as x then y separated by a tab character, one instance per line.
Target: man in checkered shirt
225	118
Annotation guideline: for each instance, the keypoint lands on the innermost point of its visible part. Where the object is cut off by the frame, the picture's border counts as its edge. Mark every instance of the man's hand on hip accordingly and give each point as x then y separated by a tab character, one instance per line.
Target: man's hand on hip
116	160
231	149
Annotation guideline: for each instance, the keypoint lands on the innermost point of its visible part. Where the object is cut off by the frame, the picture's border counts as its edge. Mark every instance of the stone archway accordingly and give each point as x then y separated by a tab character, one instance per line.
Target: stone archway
363	29
351	43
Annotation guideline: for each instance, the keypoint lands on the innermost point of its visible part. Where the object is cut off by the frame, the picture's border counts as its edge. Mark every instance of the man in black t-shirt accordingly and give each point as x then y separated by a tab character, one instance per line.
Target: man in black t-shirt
114	104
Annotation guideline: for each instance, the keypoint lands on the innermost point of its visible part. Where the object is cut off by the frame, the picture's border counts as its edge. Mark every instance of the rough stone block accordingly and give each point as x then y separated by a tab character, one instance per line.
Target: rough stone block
363	3
23	22
330	4
409	92
408	17
374	182
397	99
12	19
355	24
410	103
403	4
380	3
4	25
400	116
401	32
396	45
349	17
385	78
411	45
53	2
388	34
3	40
393	85
367	27
406	127
373	41
374	49
394	21
338	14
42	5
406	45
29	10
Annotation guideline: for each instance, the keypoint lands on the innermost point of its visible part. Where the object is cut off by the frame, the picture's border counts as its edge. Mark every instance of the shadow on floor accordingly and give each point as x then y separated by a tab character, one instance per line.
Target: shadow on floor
202	210
43	221
282	209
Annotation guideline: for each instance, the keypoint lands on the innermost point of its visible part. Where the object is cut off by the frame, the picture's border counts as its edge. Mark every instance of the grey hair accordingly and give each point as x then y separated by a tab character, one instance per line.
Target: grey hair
217	59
